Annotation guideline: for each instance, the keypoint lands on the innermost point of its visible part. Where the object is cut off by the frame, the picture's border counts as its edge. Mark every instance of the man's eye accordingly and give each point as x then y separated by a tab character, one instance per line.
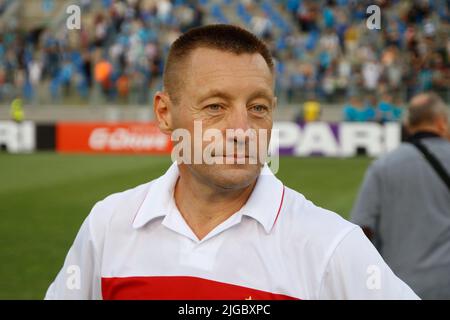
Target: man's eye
259	108
214	107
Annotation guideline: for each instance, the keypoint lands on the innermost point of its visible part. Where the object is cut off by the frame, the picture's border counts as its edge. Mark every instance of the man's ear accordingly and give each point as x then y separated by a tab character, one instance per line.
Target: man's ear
162	106
441	124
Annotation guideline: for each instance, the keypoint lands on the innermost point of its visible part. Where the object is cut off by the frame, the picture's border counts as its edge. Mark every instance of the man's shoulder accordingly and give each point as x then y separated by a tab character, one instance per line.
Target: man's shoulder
126	202
404	151
439	147
309	222
395	159
402	157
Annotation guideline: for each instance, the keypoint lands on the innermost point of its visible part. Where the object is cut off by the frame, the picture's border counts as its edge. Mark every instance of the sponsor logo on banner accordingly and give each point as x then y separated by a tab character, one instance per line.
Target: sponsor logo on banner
18	137
342	139
111	138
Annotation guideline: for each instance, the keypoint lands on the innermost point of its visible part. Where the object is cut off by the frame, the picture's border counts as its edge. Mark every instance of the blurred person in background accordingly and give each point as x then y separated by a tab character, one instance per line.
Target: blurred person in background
357	110
370	108
311	109
35	74
16	110
387	110
371	71
102	72
261	25
404	202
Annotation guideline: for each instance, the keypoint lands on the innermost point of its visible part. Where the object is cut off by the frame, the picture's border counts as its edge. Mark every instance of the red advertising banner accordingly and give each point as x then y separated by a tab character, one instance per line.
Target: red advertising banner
123	137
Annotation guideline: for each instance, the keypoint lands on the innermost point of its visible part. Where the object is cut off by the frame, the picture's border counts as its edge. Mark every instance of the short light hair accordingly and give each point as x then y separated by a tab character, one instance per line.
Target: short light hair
424	108
223	37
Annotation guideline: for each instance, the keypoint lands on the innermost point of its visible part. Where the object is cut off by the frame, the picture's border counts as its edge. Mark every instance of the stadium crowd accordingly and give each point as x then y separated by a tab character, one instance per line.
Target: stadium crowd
322	48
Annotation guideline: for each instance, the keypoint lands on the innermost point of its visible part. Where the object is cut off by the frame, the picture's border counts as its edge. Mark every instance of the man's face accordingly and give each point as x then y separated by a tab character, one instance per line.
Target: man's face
224	91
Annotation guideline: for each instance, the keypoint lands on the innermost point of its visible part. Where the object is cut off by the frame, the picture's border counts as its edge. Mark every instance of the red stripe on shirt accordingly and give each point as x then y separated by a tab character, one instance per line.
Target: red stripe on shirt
279	208
180	288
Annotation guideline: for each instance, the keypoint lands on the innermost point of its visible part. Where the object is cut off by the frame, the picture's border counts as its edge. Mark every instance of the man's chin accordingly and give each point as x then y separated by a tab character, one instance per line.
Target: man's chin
234	176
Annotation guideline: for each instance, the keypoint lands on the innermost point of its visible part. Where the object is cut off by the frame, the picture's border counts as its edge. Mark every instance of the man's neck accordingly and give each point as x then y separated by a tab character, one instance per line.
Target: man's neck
423	132
204	206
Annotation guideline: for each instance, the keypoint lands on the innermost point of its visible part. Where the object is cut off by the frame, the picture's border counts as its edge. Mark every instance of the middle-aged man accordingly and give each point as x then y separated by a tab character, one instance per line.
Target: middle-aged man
404	203
220	231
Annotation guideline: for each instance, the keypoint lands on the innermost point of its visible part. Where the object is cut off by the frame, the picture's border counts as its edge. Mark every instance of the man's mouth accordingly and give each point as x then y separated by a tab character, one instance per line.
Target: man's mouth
232	155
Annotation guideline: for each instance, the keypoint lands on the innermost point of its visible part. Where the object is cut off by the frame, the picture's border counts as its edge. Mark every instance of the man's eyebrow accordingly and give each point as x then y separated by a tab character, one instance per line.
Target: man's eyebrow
217	93
262	93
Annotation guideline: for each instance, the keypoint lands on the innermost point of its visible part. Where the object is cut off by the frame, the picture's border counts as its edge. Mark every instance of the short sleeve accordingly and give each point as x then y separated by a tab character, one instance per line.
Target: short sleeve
356	271
79	278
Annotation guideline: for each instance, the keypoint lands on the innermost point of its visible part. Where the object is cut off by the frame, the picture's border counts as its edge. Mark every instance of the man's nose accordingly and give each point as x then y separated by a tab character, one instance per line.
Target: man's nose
238	122
238	119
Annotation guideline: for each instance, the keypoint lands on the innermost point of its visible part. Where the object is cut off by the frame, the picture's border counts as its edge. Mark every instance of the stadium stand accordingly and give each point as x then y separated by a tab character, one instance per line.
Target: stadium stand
320	47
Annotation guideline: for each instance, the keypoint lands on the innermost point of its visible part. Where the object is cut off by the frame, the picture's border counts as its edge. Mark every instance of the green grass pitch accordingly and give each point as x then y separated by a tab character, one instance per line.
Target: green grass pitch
44	198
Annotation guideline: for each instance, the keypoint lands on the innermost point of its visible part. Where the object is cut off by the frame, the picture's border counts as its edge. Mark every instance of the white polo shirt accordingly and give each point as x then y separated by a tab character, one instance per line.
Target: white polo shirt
136	245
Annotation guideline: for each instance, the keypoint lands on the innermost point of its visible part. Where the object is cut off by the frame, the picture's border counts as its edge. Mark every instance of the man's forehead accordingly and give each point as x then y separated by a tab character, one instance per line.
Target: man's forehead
212	63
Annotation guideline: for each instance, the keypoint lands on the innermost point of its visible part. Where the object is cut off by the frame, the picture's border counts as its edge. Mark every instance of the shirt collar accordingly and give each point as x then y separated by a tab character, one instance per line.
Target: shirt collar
263	205
423	135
